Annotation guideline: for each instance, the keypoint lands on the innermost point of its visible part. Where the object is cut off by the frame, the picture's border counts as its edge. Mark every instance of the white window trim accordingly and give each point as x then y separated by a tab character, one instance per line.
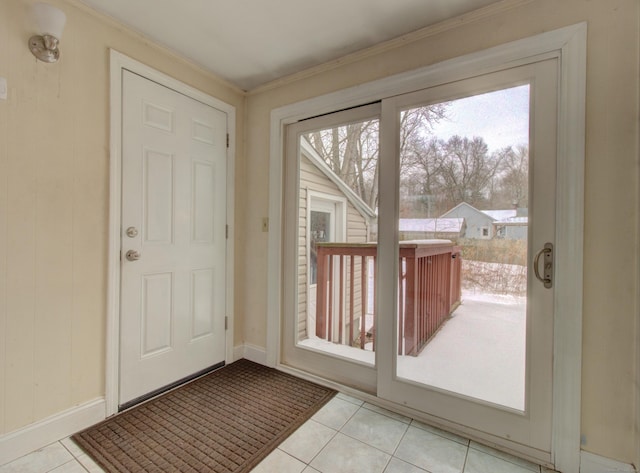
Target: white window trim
340	216
340	222
569	46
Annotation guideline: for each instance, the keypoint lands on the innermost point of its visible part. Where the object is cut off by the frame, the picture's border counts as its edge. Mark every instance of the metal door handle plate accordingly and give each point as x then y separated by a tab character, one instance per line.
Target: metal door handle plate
132	255
547	277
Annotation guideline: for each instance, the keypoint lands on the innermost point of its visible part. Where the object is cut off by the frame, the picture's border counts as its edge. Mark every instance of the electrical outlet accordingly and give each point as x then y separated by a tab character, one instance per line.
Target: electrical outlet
265	224
3	88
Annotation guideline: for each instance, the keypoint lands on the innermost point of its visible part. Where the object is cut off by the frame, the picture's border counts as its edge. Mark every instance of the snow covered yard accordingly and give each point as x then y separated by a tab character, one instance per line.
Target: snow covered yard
479	352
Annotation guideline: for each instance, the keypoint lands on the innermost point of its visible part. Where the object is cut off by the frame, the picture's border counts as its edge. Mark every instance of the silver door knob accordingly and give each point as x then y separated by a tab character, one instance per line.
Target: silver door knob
132	232
133	255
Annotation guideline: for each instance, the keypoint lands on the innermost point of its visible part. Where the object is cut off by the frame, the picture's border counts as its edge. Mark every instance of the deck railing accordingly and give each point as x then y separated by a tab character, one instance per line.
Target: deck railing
428	291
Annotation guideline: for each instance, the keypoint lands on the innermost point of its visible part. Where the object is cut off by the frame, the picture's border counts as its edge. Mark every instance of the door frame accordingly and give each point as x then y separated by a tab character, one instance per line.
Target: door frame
118	63
568	44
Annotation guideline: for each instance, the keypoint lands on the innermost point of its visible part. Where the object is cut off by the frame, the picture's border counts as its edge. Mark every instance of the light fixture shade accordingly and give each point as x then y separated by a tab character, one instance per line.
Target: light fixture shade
48	19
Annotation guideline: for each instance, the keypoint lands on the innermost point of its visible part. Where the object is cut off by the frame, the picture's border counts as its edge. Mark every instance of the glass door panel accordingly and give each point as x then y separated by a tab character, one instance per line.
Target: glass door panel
463	245
471	329
332	173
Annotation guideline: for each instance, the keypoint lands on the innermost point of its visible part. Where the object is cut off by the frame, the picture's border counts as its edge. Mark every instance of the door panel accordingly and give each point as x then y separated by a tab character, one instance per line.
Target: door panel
173	218
322	210
487	363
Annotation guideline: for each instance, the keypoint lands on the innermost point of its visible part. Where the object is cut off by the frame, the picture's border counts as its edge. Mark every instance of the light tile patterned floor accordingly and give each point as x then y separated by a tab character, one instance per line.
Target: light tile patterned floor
345	436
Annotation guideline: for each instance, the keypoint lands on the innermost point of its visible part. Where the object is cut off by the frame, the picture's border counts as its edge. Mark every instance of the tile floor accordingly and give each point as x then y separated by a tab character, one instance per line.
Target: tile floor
345	436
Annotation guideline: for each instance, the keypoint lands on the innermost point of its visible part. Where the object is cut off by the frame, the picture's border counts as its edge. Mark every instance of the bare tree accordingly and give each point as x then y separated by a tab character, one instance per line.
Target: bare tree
422	161
352	150
468	170
513	185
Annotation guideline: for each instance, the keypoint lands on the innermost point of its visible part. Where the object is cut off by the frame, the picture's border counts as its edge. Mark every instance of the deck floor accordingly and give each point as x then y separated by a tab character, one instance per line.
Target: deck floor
479	352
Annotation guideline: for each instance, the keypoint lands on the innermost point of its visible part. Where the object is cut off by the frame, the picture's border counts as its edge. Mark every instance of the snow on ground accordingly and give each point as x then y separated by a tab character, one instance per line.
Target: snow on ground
479	352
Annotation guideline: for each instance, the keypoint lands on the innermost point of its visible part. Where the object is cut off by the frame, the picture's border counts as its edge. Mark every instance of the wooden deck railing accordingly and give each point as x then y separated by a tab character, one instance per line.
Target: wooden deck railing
428	291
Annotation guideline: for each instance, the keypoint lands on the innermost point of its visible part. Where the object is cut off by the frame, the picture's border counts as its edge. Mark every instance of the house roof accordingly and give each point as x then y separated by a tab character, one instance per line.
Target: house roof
313	156
500	214
463	206
431	225
513	221
504	216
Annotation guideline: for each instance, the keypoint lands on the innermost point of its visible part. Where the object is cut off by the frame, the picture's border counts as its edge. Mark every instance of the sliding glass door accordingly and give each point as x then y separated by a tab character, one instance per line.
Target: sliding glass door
438	293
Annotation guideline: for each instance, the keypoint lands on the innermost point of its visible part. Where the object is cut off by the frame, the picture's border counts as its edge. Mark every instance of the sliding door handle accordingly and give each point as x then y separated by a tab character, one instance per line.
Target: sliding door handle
547	273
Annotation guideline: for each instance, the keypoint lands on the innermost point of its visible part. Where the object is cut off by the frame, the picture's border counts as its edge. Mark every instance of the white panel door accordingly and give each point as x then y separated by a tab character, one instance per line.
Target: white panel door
172	314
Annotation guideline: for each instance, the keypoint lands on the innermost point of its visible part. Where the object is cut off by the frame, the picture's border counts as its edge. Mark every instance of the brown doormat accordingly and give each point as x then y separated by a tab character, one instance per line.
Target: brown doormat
226	421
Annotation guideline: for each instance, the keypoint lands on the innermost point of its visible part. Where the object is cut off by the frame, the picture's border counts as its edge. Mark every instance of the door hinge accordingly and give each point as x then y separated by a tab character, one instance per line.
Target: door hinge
226	322
227	140
226	231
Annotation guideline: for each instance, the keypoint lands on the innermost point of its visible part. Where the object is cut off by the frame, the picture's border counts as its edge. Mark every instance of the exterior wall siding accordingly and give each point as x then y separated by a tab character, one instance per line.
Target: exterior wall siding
312	179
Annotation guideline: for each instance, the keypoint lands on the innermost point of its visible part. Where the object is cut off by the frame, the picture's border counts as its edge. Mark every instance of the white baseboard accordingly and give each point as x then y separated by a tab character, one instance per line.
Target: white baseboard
592	463
250	352
42	433
238	353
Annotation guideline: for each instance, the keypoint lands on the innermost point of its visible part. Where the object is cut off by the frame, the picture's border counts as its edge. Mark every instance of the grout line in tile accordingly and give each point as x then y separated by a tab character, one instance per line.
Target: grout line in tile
386	412
69	449
466	457
73	460
347	397
506	457
325	445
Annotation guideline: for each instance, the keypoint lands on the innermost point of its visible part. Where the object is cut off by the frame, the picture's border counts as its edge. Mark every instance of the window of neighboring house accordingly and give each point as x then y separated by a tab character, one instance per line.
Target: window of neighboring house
484	231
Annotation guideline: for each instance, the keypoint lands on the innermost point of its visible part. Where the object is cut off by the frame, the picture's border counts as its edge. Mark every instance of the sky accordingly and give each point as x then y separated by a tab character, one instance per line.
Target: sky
501	118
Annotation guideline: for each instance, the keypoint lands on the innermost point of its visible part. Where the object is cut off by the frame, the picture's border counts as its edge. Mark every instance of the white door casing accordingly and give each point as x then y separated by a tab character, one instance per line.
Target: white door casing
172	311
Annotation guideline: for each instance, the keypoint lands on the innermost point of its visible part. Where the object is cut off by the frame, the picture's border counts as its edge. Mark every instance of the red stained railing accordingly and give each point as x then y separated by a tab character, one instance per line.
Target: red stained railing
429	291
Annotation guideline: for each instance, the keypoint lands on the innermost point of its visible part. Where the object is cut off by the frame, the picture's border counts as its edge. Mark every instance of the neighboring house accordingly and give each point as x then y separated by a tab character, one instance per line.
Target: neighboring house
509	224
334	213
428	228
512	228
479	225
487	224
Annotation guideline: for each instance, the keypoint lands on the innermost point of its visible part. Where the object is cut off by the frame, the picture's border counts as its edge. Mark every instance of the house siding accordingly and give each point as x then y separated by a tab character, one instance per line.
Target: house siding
312	179
475	221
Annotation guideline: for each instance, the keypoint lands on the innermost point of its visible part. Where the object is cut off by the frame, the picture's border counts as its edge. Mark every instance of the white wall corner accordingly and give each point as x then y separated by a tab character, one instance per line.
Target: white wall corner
57	427
592	463
238	353
250	352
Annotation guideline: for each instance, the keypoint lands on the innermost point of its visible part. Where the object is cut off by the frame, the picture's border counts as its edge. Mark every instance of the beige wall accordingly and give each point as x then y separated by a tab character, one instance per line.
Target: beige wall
611	220
54	150
54	181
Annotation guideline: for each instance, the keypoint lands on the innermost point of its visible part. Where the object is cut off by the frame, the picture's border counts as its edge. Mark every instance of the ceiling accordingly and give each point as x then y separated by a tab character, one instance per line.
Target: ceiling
251	42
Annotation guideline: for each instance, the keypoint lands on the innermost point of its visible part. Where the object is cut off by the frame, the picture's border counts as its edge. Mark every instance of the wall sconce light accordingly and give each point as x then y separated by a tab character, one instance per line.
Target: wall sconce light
50	23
